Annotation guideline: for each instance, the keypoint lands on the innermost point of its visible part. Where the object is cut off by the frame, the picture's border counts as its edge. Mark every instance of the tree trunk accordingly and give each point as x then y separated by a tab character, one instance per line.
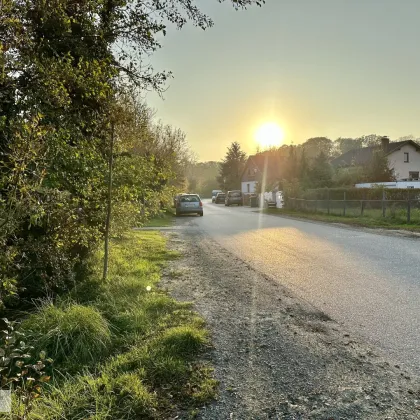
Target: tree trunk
109	206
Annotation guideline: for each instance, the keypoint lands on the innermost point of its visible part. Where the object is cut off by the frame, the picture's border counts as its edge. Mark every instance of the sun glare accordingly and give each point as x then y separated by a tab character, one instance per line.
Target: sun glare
269	135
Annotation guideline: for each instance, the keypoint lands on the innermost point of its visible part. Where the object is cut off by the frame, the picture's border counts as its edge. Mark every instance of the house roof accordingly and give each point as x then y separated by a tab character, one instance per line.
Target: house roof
259	161
364	155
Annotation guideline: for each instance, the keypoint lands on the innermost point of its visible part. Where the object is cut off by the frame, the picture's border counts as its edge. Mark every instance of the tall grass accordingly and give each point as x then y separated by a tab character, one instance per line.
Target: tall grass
133	351
105	397
69	333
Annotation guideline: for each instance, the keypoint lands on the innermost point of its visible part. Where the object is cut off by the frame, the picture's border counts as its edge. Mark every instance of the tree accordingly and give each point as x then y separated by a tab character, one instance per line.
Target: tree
378	169
303	168
371	140
314	146
204	174
344	145
63	67
231	168
291	165
348	176
320	173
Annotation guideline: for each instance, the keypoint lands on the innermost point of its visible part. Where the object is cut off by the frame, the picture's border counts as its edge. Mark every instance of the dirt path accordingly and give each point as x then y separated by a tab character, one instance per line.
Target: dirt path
277	357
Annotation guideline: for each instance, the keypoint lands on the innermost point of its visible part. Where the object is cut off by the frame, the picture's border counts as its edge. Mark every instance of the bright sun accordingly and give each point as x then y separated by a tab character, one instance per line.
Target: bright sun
269	135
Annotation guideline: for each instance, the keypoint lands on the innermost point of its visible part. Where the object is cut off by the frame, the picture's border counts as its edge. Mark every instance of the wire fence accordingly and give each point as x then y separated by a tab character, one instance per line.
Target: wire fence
399	210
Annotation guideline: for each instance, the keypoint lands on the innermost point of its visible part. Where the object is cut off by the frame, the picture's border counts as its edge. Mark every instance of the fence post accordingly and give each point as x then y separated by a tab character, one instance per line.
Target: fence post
362	207
344	204
383	203
408	211
328	201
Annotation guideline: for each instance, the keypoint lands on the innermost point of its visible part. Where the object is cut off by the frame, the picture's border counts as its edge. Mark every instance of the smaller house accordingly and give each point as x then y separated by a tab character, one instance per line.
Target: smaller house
403	157
251	174
262	169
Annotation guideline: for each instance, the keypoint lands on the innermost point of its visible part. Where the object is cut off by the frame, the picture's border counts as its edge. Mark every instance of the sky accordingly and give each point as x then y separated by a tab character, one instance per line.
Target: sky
334	68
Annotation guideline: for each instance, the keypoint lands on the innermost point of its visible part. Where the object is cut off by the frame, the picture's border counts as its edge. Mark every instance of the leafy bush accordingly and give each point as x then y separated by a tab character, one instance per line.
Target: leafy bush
72	333
21	369
291	189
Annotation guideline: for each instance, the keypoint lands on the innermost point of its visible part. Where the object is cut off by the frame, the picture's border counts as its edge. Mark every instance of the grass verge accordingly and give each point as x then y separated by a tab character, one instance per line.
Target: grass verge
361	221
123	349
165	219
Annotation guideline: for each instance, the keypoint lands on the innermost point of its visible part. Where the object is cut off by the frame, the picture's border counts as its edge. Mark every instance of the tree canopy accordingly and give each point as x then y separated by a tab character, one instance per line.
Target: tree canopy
69	74
231	168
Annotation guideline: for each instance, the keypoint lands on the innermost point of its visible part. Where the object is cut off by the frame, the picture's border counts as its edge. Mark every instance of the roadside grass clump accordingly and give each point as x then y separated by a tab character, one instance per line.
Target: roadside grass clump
105	397
132	351
136	319
70	333
170	353
183	341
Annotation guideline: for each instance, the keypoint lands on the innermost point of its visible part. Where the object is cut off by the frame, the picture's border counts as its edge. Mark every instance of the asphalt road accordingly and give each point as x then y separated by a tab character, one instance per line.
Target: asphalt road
368	282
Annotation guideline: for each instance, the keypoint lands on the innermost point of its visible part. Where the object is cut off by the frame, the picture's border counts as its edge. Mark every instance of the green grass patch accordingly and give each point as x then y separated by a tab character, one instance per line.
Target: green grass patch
123	348
69	333
373	219
164	219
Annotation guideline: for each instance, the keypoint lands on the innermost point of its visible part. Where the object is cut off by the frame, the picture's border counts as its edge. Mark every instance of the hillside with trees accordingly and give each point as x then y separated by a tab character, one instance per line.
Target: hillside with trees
201	177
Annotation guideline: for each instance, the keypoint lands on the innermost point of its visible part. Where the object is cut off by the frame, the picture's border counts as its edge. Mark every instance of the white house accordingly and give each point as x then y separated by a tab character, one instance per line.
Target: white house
261	172
403	157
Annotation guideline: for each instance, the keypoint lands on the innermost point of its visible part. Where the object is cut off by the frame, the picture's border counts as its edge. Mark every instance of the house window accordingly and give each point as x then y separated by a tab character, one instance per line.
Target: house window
413	175
406	157
248	187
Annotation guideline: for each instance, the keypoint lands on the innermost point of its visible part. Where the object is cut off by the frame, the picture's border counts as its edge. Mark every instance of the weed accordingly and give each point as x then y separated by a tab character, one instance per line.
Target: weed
174	274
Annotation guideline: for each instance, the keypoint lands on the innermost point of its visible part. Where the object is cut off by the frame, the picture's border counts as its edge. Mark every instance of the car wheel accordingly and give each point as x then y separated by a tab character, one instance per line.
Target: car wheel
201	214
176	214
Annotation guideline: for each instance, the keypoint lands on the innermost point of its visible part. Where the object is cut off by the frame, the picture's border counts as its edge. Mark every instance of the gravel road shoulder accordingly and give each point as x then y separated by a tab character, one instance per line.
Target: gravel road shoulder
277	357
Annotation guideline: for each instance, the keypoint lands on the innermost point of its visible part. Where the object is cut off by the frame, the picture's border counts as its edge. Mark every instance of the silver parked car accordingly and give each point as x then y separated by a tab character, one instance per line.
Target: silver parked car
189	203
234	197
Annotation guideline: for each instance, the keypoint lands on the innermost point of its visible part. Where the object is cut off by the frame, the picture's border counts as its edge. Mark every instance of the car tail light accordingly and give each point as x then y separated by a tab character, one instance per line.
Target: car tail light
201	204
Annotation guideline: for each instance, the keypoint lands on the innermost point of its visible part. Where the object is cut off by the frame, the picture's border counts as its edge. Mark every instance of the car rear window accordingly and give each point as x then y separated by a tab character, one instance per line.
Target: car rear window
235	194
190	199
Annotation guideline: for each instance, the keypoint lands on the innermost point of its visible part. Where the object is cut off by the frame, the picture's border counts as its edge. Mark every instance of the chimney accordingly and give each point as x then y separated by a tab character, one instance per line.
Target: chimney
385	143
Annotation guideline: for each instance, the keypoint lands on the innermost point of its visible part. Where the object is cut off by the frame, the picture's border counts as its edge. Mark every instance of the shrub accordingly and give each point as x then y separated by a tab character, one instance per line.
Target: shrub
71	333
21	370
